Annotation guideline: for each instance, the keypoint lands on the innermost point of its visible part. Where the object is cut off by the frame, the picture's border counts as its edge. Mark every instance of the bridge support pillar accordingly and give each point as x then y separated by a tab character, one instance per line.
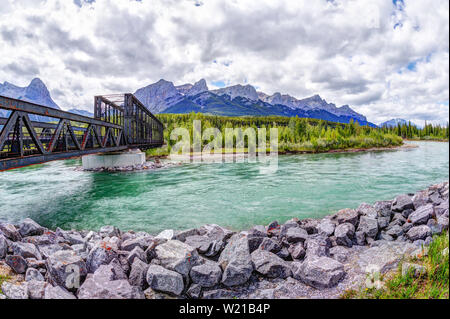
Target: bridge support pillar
113	159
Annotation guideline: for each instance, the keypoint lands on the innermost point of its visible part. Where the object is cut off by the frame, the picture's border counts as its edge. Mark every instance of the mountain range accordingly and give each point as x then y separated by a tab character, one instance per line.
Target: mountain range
395	122
237	100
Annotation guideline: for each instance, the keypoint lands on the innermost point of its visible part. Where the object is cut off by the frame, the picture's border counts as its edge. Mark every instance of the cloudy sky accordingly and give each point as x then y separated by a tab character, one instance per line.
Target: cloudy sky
384	58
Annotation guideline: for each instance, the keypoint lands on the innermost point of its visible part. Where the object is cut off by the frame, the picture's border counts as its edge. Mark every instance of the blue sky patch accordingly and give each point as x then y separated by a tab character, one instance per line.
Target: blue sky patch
220	84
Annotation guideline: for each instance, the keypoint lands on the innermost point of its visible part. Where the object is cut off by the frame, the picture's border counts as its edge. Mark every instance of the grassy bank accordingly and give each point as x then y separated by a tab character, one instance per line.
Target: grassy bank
430	284
295	135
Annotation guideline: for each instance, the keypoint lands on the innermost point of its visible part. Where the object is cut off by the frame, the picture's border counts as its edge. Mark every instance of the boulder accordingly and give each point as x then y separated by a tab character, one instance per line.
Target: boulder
194	291
297	251
310	225
143	242
17	263
57	292
407	212
137	252
100	254
235	261
109	231
33	275
398	219
317	246
270	265
383	208
406	227
30	228
205	245
421	215
14	291
66	269
435	227
107	283
182	235
289	224
177	256
369	226
165	280
420	199
443	221
296	234
339	253
417	270
138	274
346	215
326	227
360	238
206	275
383	222
36	289
10	231
367	210
394	231
3	246
270	244
167	234
401	203
418	232
322	272
26	250
344	234
441	209
385	256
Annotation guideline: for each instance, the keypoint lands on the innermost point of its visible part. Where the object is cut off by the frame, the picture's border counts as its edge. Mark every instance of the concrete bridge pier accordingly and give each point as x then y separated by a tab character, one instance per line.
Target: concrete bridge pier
114	159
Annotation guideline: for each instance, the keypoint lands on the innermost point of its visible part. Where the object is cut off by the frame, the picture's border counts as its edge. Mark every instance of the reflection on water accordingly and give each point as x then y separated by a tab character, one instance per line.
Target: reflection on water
236	195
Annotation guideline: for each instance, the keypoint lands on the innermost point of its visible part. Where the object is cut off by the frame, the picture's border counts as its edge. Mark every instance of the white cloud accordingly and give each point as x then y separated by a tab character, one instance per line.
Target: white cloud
347	51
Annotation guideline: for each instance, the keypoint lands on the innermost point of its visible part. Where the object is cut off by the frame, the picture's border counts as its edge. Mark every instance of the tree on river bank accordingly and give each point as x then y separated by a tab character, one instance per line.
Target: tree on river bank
294	134
428	132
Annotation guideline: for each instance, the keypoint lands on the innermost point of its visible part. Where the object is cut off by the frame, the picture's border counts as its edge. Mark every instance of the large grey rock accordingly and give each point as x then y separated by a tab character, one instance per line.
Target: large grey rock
369	226
340	253
14	291
326	227
420	199
137	252
270	244
215	232
109	231
10	231
100	254
107	283
165	280
401	203
418	232
441	209
310	225
394	231
321	272
57	292
360	238
48	250
297	251
346	215
421	215
30	228
383	208
367	210
289	224
344	234
33	274
143	242
66	269
26	250
383	222
296	234
3	246
205	245
235	261
435	227
270	265
138	274
177	256
385	256
443	221
17	263
182	235
207	275
36	289
317	246
194	291
71	237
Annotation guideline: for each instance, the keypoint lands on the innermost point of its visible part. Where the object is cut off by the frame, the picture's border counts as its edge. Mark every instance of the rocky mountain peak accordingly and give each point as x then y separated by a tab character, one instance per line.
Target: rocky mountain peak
199	87
245	91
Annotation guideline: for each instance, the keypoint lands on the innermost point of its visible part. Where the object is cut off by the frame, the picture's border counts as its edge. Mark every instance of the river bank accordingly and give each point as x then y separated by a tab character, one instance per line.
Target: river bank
308	258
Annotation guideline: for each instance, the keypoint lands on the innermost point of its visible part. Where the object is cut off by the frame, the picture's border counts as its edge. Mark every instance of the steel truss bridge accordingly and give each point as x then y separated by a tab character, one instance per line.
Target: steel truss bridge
120	122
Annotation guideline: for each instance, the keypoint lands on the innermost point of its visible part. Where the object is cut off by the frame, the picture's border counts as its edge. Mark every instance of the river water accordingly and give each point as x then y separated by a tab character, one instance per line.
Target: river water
234	195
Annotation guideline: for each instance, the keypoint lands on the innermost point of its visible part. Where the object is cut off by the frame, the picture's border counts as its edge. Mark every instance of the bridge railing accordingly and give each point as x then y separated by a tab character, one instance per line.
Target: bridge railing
25	142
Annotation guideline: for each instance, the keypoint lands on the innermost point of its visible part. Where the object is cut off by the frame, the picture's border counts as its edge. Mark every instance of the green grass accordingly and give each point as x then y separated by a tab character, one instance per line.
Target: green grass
431	285
2	279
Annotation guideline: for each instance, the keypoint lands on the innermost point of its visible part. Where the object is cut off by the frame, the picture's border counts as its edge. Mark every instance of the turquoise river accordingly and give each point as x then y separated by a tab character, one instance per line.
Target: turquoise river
234	195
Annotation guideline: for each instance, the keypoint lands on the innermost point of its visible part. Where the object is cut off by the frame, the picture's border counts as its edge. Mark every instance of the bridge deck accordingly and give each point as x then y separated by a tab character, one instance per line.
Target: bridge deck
118	124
